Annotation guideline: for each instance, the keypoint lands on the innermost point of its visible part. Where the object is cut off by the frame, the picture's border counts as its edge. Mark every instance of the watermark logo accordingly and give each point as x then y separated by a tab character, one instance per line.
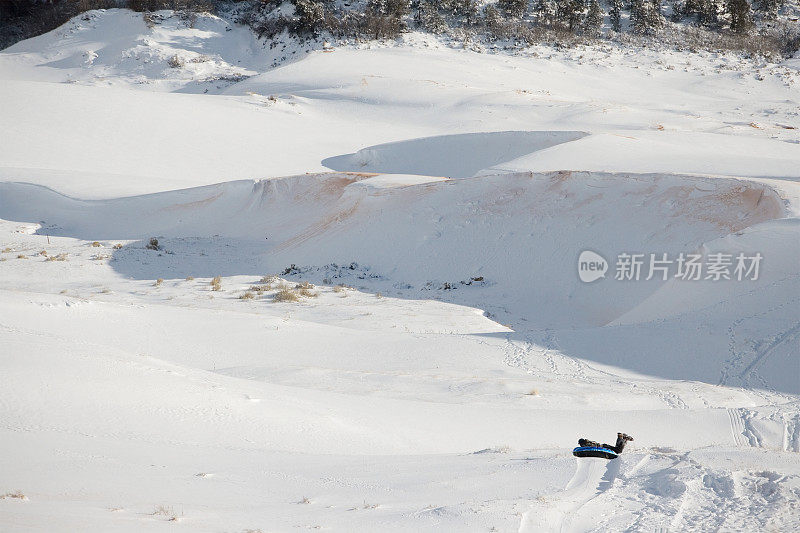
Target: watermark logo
684	266
591	266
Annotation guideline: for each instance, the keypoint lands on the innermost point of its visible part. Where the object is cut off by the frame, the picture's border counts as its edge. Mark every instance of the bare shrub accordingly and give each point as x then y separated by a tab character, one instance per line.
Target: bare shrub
260	289
216	283
167	512
118	246
268	279
379	26
189	278
153	244
176	61
308	293
247	295
286	294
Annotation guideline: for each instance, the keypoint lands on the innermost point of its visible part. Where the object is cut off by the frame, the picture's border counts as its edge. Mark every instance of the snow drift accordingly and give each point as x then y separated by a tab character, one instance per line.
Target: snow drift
521	234
454	156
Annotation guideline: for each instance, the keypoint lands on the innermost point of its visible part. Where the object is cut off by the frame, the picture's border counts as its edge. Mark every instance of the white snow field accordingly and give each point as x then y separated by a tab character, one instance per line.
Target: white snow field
431	203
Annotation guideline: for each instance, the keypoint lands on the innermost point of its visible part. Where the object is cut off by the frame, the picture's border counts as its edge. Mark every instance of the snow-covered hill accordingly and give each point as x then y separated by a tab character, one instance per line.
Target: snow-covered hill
427	207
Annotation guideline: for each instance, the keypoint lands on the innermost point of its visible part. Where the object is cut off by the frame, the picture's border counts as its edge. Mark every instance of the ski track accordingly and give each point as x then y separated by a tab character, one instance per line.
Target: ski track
737	427
791	435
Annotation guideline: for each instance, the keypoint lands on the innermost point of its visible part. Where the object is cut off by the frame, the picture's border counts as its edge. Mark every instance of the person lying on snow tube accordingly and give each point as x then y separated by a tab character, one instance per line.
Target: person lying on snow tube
590	448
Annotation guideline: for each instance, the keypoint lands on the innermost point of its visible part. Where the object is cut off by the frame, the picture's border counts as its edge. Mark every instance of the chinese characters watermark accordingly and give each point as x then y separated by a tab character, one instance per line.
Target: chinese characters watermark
661	266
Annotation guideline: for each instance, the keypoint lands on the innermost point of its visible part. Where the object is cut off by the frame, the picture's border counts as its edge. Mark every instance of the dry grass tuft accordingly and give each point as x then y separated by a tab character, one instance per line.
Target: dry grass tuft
268	279
118	246
260	289
247	295
96	244
378	295
16	495
158	282
59	257
189	278
167	512
286	294
216	283
43	253
7	249
22	256
532	392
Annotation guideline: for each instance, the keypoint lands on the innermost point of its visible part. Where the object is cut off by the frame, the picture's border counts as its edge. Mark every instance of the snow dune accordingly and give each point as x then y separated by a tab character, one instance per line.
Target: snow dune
530	229
454	156
81	129
419	237
448	356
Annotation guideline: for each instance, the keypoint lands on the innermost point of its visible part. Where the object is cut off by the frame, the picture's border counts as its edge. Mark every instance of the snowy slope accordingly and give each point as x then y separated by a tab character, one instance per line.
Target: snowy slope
447	356
656	112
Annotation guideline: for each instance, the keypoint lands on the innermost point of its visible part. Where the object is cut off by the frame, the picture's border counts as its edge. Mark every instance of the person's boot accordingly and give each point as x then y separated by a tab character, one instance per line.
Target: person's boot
622	440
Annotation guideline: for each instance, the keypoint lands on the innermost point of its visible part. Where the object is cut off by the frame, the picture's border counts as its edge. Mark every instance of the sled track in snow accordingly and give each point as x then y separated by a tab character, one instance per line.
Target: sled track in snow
591	478
737	427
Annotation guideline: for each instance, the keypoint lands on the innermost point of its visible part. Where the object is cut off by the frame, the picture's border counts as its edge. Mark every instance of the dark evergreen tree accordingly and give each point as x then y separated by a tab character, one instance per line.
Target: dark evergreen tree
570	13
492	17
741	15
707	12
513	8
593	25
768	8
465	8
678	10
615	15
310	16
545	11
429	18
390	8
645	18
